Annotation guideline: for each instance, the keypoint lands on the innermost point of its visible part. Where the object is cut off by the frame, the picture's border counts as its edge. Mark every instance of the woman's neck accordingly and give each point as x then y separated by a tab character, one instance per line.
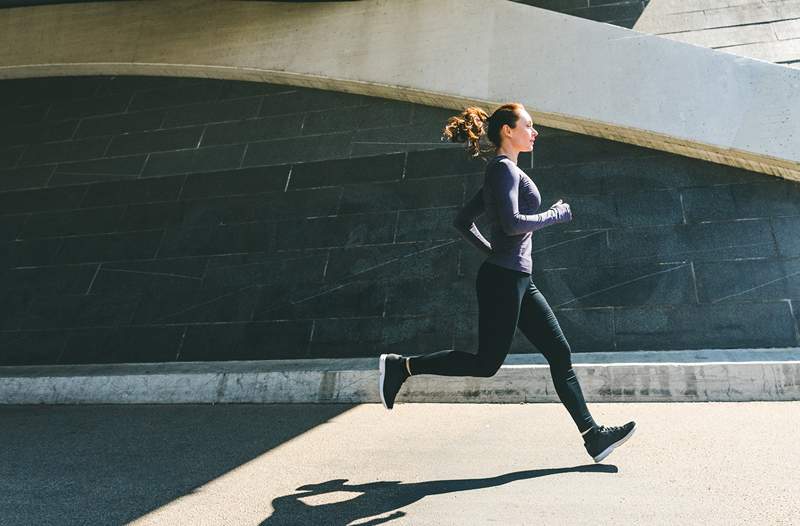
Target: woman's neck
511	154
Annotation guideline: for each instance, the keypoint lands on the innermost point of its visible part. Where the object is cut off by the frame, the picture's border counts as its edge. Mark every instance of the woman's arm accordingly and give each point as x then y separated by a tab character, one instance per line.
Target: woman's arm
503	182
464	222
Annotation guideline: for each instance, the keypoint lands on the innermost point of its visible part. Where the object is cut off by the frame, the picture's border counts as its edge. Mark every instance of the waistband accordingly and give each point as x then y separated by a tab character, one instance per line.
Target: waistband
497	268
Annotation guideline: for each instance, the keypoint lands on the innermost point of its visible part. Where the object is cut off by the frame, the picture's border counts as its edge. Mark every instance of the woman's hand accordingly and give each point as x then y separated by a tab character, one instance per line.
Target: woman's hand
562	210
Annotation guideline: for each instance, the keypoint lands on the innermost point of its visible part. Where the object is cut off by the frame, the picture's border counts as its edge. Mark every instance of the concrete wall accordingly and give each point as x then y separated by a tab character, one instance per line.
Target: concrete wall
573	74
158	219
767	31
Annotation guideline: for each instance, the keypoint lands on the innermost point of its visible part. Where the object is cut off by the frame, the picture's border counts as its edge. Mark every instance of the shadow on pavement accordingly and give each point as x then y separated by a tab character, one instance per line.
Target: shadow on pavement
112	464
388	496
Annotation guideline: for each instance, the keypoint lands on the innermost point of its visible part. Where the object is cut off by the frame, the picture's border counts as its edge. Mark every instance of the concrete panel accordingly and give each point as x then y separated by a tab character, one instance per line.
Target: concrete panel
662	16
779	51
768	31
787	29
582	76
726	36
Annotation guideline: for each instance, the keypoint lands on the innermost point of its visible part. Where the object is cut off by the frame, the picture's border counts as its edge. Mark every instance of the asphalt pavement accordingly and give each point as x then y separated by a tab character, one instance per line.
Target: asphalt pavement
419	464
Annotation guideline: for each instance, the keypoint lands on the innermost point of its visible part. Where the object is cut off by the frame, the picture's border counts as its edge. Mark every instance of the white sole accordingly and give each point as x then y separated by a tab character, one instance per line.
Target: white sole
607	451
382	368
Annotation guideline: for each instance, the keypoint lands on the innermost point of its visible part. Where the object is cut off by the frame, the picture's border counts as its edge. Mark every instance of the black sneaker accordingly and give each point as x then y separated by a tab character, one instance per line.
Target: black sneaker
393	374
601	441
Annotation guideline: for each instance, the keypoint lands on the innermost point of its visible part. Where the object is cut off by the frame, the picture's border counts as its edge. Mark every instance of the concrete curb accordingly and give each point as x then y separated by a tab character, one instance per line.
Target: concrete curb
657	376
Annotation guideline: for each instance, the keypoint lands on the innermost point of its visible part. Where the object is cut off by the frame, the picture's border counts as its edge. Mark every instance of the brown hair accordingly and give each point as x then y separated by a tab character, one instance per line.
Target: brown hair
473	122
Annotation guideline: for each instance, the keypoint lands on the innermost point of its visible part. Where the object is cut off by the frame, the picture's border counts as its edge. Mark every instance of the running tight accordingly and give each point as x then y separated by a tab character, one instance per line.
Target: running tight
508	299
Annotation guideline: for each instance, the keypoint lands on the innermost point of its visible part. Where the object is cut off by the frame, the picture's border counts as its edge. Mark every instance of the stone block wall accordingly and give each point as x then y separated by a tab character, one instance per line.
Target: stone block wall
623	13
148	219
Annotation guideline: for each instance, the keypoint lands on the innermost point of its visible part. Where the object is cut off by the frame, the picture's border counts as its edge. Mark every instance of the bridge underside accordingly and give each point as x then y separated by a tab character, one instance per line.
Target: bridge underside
573	74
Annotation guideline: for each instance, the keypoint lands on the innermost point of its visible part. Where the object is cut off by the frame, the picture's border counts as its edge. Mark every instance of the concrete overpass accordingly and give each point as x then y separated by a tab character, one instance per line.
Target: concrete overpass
574	74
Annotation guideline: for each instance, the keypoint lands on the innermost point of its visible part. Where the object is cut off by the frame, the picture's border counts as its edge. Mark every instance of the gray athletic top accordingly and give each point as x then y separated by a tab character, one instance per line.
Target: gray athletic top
509	198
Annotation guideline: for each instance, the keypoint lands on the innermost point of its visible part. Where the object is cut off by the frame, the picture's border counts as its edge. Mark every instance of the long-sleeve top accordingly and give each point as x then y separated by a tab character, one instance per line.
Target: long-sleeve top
509	198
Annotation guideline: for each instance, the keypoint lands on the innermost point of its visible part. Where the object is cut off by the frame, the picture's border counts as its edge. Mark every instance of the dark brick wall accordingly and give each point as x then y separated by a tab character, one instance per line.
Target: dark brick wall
623	13
158	219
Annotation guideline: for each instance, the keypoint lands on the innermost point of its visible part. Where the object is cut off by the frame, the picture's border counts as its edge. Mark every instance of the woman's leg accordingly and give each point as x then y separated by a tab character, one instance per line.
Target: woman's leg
499	292
539	324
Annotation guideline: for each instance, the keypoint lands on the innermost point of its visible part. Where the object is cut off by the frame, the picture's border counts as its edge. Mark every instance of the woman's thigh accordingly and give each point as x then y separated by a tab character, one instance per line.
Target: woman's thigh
500	292
539	324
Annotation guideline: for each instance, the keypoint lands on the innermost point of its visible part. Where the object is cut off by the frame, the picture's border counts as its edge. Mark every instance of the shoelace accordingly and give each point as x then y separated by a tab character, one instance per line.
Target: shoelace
609	429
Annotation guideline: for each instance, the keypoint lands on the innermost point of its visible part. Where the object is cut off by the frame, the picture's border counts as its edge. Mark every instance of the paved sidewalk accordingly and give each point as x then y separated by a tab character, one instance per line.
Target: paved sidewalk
420	464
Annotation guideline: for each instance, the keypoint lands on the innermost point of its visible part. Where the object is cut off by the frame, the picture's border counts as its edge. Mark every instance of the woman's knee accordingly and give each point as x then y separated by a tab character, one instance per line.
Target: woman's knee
559	356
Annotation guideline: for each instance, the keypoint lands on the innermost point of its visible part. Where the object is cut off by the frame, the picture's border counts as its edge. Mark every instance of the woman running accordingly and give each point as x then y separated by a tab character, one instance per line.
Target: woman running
507	296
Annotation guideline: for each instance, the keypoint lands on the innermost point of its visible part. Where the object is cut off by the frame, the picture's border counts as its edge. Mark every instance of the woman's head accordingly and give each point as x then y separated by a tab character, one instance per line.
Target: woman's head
509	127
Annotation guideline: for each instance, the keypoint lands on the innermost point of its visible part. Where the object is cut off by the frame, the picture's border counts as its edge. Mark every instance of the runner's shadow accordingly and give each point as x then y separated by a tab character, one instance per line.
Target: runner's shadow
387	496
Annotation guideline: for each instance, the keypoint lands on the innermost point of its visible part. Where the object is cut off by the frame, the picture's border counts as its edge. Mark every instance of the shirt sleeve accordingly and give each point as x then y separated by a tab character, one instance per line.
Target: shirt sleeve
503	182
464	222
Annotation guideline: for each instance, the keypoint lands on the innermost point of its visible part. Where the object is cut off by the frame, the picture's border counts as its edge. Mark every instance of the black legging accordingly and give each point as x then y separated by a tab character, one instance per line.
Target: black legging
508	299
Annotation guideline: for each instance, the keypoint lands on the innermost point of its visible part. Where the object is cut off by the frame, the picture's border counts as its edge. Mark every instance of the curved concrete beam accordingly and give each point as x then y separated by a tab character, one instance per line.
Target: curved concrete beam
571	73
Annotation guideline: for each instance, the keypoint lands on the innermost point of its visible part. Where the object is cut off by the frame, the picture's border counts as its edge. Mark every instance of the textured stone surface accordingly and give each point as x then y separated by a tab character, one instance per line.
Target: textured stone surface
190	254
623	13
767	31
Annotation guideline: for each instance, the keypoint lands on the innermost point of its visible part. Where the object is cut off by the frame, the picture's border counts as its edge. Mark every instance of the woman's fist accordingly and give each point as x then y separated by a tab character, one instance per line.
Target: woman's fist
562	210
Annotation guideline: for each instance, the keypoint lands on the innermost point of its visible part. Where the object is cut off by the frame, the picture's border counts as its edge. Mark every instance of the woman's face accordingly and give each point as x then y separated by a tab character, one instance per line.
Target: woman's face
523	135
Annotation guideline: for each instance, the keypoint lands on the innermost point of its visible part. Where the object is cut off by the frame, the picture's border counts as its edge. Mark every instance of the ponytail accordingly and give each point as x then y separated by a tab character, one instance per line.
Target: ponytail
471	124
